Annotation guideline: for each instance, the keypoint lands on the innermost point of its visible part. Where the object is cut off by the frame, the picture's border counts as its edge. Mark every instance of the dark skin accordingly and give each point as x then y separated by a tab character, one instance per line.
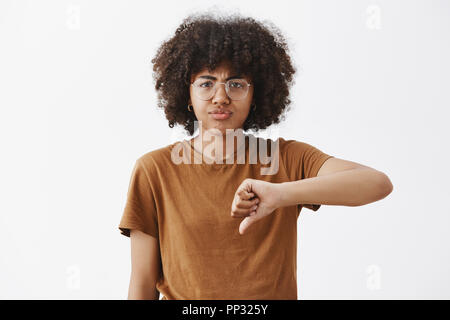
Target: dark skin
256	199
239	108
244	203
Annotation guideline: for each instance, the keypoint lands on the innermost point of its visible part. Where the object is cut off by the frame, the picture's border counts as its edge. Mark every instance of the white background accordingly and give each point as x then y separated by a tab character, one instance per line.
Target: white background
78	107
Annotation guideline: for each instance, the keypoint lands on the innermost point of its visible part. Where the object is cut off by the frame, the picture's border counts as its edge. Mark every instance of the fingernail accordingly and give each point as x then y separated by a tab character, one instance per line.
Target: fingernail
253	213
254	207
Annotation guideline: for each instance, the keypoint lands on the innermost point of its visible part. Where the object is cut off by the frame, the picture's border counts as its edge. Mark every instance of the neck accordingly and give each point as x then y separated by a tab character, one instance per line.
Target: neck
210	142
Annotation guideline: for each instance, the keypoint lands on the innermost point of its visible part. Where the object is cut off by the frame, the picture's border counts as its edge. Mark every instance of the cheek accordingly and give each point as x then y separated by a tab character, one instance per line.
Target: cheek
244	110
194	101
248	100
201	108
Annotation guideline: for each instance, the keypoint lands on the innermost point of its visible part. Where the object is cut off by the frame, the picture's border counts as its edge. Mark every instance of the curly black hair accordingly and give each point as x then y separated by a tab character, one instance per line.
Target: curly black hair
254	48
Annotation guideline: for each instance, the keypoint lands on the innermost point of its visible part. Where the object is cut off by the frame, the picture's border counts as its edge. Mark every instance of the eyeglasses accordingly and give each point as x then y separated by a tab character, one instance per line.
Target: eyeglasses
236	89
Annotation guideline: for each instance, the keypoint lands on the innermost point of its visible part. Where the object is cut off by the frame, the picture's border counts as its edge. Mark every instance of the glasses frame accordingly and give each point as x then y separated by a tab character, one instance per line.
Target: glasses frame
227	88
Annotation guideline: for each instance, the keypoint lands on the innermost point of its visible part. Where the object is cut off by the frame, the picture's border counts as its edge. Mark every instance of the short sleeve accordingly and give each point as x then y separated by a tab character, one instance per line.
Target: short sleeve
140	208
303	161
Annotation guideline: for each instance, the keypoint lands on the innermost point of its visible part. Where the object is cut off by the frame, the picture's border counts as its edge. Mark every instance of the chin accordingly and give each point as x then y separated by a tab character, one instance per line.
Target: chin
222	127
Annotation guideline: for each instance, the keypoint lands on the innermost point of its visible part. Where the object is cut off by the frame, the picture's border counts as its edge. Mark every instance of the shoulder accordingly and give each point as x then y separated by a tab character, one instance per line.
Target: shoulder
286	149
292	143
285	146
156	158
293	146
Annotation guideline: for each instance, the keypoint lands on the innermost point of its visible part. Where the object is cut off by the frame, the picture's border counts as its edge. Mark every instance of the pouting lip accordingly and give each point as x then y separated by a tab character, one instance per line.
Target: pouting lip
220	112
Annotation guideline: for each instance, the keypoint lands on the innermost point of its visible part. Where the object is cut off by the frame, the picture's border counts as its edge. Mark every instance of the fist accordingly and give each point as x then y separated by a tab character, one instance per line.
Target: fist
253	200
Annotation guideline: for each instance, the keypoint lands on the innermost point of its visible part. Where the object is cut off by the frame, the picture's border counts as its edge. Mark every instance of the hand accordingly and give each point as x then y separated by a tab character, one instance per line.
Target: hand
251	193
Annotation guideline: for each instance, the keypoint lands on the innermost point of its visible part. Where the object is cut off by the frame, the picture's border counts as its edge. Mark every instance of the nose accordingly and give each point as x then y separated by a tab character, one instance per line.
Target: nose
220	96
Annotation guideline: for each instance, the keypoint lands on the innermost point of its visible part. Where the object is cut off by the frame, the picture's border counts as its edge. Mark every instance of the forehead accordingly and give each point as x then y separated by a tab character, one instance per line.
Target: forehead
222	71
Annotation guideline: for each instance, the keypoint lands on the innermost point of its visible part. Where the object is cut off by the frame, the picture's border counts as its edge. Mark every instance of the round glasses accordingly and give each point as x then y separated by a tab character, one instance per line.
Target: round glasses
205	89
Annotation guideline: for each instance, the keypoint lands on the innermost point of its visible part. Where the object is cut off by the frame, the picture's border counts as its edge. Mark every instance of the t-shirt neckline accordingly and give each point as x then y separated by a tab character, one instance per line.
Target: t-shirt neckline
197	154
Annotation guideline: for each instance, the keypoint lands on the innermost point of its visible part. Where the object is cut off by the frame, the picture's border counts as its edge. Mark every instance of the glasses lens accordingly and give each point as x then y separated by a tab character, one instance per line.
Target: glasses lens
237	89
204	88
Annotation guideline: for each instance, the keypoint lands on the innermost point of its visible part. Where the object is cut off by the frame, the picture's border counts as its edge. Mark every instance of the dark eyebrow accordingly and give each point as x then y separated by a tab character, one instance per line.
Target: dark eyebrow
214	78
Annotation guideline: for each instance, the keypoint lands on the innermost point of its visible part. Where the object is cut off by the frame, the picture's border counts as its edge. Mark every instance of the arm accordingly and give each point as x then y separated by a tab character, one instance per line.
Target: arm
338	182
145	266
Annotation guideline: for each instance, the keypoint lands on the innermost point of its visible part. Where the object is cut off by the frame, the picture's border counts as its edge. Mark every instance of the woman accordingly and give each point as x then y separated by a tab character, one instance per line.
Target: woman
206	220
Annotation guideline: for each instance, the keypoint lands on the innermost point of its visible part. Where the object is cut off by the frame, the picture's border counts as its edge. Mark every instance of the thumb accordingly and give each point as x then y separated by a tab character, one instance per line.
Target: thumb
246	223
246	186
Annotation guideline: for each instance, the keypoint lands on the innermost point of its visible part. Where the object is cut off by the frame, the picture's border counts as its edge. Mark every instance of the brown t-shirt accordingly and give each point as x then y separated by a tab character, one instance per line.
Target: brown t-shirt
187	207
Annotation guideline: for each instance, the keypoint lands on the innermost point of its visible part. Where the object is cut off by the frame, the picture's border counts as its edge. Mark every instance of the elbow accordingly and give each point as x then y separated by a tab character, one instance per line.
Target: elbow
384	185
380	187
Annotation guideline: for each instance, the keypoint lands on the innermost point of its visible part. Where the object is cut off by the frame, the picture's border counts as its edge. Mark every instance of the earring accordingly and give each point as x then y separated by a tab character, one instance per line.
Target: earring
190	110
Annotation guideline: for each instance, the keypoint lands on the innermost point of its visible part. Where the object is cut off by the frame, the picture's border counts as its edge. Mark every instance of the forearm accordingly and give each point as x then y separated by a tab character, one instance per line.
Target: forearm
139	291
354	187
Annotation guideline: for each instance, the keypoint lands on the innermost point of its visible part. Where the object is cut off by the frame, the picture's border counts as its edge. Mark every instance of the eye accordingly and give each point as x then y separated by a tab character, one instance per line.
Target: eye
236	84
206	84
